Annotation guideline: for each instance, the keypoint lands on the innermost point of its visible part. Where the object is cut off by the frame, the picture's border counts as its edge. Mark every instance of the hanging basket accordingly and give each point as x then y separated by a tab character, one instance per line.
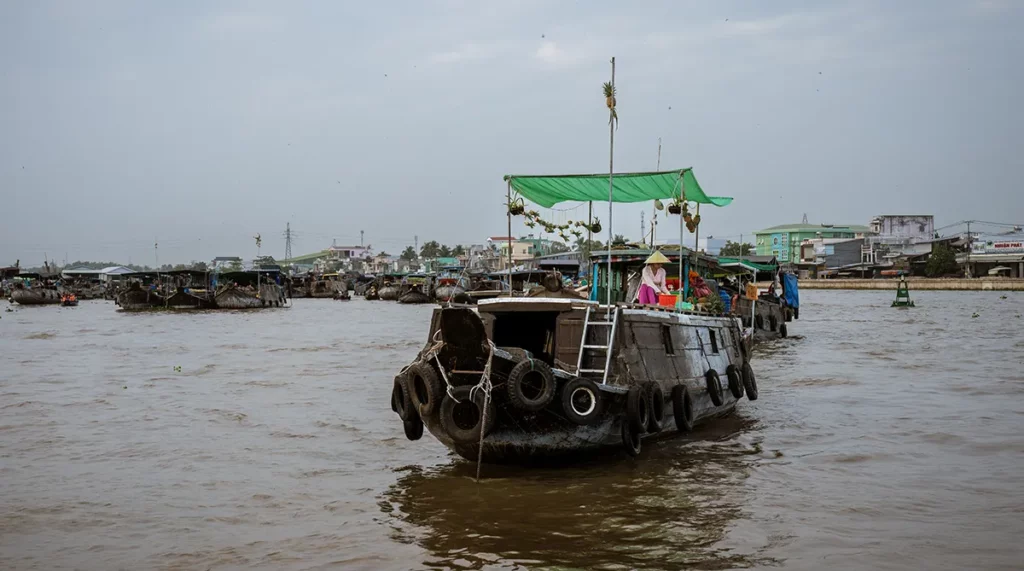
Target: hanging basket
674	209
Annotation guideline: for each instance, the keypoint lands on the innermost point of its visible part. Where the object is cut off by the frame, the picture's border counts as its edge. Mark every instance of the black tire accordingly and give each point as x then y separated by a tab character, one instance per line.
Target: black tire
638	409
463	420
582	402
783	331
789	314
732	372
401	402
531	385
656	396
749	382
714	387
759	322
413	428
425	388
773	322
796	313
682	408
631	440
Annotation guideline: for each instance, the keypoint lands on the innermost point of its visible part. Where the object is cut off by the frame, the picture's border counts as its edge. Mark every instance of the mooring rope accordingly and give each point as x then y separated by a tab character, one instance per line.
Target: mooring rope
486	386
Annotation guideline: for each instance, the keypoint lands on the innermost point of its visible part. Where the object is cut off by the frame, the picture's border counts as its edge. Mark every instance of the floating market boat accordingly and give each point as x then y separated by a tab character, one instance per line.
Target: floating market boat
68	300
451	283
34	289
516	379
249	290
325	287
390	287
139	295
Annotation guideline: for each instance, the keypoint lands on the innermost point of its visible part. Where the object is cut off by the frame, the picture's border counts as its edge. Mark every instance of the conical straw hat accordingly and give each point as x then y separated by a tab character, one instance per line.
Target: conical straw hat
657	258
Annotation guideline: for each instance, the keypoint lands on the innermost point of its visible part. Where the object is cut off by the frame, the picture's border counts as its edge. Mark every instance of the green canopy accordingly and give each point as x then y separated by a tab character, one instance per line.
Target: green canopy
548	191
726	262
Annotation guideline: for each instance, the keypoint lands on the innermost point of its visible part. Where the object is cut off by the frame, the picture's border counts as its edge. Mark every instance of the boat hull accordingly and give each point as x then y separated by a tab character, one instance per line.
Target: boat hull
389	293
652	347
444	293
415	297
35	296
232	297
139	300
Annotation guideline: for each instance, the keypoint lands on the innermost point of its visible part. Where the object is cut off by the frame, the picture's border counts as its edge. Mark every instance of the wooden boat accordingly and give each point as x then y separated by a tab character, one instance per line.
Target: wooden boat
516	379
451	283
186	298
68	300
415	295
138	297
34	293
570	376
325	287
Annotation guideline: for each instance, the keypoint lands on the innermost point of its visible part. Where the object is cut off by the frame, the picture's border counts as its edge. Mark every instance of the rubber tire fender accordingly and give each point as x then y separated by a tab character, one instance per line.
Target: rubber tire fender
631	440
732	372
682	408
448	412
425	388
796	313
789	314
759	322
714	385
638	409
656	398
589	388
413	428
749	382
401	402
773	322
783	330
526	369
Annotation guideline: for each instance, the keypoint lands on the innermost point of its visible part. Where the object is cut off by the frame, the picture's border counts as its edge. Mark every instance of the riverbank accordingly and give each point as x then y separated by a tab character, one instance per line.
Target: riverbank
917	284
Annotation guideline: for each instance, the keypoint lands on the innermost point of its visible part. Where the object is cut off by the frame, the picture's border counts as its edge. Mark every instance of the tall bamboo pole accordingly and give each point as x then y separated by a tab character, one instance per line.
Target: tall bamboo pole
611	184
508	198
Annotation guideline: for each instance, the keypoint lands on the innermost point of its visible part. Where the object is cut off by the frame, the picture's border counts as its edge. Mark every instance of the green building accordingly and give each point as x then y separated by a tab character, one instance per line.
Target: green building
784	241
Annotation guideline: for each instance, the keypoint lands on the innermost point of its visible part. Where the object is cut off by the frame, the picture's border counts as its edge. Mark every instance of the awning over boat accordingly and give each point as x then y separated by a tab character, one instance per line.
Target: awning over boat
548	191
733	262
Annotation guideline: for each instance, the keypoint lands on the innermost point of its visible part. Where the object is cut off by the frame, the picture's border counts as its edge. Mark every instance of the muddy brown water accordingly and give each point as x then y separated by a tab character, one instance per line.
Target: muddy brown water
883	439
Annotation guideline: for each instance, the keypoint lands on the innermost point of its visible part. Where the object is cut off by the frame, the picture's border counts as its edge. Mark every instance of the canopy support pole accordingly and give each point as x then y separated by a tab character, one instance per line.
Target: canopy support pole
611	186
696	232
508	198
682	282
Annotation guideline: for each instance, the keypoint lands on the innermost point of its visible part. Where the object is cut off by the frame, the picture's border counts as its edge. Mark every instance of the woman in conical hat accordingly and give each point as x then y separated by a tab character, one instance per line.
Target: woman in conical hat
652	279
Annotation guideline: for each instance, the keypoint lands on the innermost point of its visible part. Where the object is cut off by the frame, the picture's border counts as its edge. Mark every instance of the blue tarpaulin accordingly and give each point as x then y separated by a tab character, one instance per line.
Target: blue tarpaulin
791	289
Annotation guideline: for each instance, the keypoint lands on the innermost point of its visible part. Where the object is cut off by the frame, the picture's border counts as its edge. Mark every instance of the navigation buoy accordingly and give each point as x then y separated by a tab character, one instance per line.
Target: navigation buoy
902	295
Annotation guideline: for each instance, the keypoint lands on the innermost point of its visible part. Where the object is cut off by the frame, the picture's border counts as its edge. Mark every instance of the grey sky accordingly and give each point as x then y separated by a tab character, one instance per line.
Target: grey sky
205	123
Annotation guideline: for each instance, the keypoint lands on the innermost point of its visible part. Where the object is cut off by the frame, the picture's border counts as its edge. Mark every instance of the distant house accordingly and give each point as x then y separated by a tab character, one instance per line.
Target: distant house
336	252
783	242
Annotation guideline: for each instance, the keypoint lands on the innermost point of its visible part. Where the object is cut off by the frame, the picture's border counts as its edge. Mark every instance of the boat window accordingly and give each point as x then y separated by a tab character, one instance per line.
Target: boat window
714	341
666	338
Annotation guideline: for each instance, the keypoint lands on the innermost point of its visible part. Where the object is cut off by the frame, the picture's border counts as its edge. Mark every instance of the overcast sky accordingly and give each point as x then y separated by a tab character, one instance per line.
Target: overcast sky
204	123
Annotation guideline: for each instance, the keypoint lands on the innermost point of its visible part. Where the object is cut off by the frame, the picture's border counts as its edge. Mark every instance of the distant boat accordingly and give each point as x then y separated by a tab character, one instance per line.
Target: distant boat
31	291
248	290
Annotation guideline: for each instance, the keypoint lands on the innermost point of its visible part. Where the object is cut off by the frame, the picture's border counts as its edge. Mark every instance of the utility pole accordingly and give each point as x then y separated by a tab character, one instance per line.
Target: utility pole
360	238
416	245
654	210
288	241
643	229
156	252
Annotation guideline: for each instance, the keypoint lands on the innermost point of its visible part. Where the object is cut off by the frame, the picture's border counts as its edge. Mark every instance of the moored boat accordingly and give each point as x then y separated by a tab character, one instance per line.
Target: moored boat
138	296
516	379
249	290
451	282
33	289
324	287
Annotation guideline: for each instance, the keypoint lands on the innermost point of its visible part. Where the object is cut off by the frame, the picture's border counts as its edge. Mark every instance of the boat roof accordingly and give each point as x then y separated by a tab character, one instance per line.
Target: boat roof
549	190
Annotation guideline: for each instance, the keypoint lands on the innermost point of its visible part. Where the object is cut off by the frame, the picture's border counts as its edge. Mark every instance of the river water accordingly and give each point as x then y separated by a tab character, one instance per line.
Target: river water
883	439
